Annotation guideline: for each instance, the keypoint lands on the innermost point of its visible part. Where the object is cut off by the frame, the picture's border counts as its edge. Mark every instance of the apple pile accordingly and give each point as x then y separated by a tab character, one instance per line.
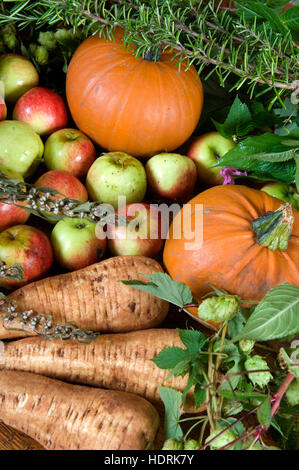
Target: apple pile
39	144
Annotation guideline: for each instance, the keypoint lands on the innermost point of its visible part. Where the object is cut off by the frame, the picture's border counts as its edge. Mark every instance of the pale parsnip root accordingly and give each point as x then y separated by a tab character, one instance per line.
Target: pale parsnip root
119	361
94	298
62	416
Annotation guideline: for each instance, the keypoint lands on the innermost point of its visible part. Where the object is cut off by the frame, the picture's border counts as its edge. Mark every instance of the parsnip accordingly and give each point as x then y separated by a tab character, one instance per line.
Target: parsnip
94	298
62	416
119	361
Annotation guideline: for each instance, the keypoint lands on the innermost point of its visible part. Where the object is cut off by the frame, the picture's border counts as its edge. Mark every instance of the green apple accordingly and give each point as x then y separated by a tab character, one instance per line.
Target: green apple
20	147
205	150
18	75
171	176
116	174
283	191
76	243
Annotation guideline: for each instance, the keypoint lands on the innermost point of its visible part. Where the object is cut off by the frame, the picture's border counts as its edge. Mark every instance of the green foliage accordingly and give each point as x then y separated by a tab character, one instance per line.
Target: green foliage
253	44
161	285
275	316
181	362
222	374
172	400
264	413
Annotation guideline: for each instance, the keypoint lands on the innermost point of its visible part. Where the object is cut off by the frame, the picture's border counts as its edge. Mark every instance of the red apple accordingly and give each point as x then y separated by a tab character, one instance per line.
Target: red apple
10	214
63	182
69	150
3	109
171	175
142	233
205	151
43	109
77	243
30	248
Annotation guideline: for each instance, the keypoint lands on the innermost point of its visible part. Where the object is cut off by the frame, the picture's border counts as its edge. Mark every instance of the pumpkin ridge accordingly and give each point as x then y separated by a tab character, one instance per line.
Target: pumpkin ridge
125	102
159	85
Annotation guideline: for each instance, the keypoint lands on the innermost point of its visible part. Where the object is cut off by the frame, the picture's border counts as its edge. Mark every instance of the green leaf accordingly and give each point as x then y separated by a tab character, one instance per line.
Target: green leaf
234	356
290	18
190	383
172	400
256	10
238	121
258	147
161	285
276	5
236	324
287	437
180	369
279	171
169	357
275	316
241	396
275	157
199	395
264	413
194	340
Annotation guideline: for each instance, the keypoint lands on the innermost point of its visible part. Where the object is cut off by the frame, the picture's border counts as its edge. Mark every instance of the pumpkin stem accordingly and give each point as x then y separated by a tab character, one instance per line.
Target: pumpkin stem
274	229
153	54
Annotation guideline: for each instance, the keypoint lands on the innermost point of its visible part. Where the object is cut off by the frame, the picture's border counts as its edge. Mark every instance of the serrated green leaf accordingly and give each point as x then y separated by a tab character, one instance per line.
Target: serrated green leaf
274	157
199	395
233	355
190	383
170	357
275	316
194	340
238	121
264	413
236	324
172	400
180	369
162	286
255	147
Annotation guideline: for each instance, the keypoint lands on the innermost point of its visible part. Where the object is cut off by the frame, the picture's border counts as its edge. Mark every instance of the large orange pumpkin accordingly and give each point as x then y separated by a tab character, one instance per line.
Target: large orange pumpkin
132	104
242	245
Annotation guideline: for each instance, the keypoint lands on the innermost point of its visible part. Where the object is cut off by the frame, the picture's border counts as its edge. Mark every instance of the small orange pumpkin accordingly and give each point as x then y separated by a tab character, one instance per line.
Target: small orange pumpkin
250	243
132	104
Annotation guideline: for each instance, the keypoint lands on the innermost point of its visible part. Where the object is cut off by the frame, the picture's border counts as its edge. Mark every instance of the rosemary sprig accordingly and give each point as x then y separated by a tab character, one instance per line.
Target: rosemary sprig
41	324
14	272
42	203
259	50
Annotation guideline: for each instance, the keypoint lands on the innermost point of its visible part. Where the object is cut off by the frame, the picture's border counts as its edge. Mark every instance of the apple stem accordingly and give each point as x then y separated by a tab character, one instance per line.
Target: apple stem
273	229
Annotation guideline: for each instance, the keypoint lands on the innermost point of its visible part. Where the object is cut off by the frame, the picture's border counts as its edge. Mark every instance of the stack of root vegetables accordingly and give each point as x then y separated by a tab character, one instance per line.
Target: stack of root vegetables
97	396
